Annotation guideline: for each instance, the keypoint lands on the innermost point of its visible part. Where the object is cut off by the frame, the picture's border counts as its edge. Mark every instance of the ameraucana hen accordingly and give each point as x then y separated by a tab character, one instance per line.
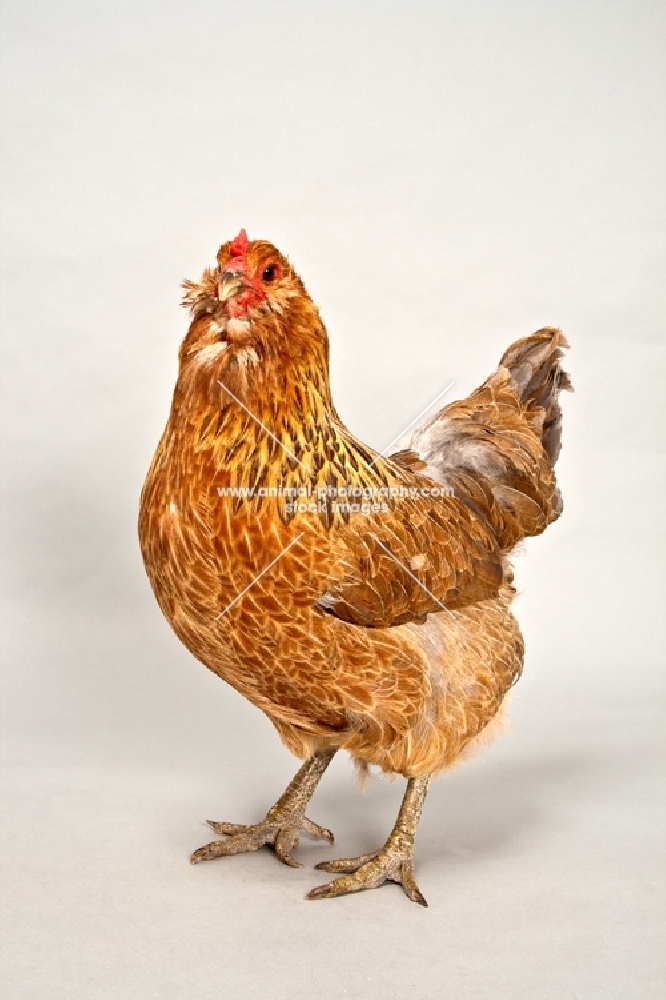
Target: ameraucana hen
361	602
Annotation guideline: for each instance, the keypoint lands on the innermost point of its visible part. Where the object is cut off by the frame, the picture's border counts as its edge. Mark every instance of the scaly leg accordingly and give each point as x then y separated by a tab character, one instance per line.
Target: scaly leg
394	861
282	824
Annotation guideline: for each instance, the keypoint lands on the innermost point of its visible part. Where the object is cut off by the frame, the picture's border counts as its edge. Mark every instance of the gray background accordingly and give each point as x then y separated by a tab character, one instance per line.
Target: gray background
446	177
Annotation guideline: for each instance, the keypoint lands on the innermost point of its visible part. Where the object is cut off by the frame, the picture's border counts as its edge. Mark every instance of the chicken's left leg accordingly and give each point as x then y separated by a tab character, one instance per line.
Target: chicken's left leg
282	824
394	861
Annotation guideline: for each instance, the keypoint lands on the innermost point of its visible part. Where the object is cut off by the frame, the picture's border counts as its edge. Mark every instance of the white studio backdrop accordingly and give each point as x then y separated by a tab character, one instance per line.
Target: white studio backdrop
446	177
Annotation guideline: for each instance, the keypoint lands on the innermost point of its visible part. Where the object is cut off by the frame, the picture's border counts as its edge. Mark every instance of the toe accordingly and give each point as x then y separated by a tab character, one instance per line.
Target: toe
285	842
316	831
359	880
346	865
229	829
339	866
328	891
208	852
408	883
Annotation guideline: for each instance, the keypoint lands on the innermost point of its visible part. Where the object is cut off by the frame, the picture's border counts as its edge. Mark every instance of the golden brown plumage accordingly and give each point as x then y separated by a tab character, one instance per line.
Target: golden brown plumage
384	630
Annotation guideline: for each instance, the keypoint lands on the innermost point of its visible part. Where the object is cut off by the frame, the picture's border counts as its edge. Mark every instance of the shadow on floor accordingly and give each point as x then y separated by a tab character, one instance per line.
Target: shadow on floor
477	809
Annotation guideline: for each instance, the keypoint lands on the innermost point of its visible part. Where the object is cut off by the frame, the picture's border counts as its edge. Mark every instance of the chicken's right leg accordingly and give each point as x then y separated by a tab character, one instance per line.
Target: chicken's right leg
283	822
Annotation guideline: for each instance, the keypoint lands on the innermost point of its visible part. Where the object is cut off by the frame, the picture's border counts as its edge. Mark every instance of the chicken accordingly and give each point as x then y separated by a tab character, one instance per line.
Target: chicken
361	601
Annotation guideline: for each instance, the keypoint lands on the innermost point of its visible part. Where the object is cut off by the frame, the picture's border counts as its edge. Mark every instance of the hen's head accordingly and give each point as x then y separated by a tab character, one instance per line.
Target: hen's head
250	275
253	320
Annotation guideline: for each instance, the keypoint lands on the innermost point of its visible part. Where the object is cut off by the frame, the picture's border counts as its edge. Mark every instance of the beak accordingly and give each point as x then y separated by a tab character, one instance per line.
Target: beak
229	285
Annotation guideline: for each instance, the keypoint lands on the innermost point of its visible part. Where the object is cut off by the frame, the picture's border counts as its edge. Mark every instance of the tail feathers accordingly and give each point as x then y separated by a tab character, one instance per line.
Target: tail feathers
497	448
538	378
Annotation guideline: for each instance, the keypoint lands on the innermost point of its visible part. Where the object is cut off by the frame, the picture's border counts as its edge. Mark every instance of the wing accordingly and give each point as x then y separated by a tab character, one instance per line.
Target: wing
423	554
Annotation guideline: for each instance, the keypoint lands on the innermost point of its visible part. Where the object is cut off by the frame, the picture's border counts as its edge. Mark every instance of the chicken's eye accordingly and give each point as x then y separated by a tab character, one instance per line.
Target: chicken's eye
270	273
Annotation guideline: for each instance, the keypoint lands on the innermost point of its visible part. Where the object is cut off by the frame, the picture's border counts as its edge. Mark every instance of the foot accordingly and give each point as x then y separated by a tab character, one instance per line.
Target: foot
394	862
280	830
283	823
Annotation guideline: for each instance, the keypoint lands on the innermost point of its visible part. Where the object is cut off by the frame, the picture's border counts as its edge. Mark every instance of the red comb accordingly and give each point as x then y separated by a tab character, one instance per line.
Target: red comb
239	246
